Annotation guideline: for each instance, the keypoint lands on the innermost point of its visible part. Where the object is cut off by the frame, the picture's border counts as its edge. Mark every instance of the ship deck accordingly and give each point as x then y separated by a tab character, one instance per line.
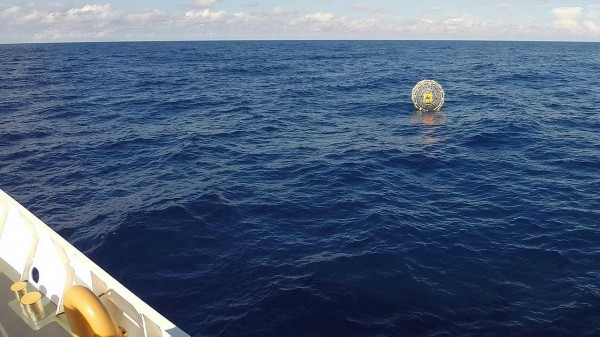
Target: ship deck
15	325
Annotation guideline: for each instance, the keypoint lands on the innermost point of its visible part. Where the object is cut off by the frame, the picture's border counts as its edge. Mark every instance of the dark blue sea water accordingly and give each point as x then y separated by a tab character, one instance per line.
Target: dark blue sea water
290	189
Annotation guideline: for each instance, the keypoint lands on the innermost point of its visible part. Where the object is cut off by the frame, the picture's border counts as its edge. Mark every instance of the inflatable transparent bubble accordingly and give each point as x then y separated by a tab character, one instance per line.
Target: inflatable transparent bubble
428	95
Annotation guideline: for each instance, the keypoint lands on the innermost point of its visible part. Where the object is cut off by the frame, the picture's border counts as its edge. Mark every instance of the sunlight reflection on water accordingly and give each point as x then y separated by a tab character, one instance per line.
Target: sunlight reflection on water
429	119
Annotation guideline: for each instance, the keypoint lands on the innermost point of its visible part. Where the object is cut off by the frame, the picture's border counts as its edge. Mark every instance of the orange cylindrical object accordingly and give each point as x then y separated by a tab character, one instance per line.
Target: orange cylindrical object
87	316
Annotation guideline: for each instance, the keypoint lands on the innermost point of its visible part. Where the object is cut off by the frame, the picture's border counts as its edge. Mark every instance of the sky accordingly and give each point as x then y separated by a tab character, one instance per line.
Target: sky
135	20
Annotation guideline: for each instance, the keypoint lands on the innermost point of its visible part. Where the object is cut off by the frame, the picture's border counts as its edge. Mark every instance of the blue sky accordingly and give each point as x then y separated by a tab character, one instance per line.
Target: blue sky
120	20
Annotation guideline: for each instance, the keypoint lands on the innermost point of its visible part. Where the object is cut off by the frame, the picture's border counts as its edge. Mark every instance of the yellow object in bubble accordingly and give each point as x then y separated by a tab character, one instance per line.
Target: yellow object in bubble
428	97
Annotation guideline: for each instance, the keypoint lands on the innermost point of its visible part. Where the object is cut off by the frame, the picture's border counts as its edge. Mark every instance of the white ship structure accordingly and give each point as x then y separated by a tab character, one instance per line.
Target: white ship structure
49	288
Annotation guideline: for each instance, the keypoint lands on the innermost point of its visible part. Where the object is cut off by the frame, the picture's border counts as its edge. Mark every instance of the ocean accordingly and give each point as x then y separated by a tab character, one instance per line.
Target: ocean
291	189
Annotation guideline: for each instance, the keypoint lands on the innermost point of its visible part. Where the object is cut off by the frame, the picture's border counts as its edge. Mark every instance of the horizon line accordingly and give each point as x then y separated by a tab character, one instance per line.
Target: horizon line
297	40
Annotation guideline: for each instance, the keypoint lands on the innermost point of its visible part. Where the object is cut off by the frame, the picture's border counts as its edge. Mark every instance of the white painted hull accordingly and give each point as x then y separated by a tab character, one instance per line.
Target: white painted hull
30	250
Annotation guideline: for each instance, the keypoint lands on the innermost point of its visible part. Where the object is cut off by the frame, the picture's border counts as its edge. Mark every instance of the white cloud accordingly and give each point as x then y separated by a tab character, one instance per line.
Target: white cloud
281	11
459	21
366	24
592	27
87	22
567	18
48	35
570	19
274	18
322	17
90	9
88	14
277	11
331	25
93	21
148	17
11	11
206	14
63	35
31	17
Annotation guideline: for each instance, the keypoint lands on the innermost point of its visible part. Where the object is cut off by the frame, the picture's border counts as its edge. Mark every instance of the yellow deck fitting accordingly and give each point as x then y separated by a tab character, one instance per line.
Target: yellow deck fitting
33	305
